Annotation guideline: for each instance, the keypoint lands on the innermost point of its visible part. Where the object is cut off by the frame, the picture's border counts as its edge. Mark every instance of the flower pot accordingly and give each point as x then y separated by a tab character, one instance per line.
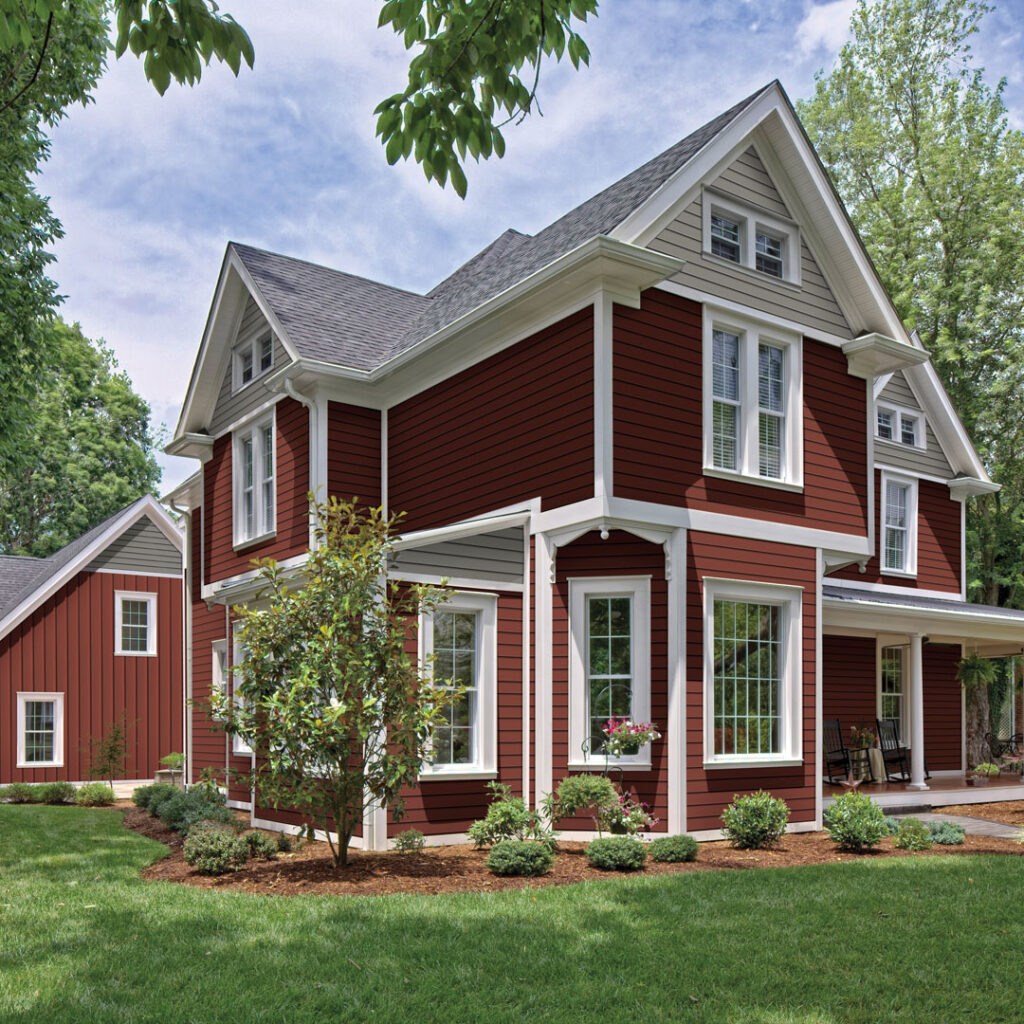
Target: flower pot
979	780
618	829
628	748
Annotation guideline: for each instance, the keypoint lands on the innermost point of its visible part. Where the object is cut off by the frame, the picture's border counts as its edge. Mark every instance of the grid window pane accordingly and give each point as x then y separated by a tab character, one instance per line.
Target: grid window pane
908	430
892	687
39	731
747	677
896	526
245	362
768	255
455	666
134	625
725	238
267	448
266	353
726	391
771	401
885	424
609	664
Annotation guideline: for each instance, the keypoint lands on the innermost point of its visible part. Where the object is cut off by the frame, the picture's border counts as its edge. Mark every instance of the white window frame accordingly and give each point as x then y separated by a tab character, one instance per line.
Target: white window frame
252	431
485	608
752	334
909	570
752	222
791	676
58	728
897	413
135	595
904	722
238	746
219	671
251	346
581	588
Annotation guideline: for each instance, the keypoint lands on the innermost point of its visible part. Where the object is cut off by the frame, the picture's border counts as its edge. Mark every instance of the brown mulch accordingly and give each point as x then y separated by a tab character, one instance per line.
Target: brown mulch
1010	812
446	869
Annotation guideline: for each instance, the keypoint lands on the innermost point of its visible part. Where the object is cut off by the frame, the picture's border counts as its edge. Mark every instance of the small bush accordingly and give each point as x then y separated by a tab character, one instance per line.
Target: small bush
892	825
214	849
21	793
913	835
285	843
577	793
95	794
520	857
674	849
185	809
411	840
617	853
946	833
854	822
756	821
147	797
56	793
261	846
508	818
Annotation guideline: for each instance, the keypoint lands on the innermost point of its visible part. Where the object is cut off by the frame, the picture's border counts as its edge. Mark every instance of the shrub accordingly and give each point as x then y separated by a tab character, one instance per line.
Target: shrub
577	793
617	853
674	849
409	841
946	833
22	793
509	818
986	770
214	849
285	843
892	825
55	793
913	835
147	797
261	846
520	857
185	809
95	794
756	821
854	822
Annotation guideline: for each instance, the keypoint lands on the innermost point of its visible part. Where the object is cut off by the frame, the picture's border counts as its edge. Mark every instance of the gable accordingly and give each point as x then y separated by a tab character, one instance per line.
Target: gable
230	406
813	304
141	549
931	460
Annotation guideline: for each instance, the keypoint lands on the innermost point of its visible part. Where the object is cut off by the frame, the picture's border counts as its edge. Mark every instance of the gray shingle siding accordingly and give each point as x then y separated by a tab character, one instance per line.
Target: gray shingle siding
141	549
486	557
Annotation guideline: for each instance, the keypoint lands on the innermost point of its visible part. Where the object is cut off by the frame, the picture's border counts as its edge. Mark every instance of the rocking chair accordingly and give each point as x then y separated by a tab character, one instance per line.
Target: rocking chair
838	766
894	754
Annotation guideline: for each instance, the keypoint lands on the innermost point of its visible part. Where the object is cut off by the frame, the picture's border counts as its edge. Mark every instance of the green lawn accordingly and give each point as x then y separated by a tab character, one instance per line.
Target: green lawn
83	939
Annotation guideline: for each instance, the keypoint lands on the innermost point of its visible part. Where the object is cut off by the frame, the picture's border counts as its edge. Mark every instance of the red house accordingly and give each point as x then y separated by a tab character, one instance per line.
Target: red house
677	456
90	634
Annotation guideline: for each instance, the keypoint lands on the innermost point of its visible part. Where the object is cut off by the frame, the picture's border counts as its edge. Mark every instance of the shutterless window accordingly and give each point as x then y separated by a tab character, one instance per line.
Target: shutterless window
609	664
885	418
134	623
255	490
768	255
726	408
771	384
725	238
266	347
896	525
892	687
40	731
456	667
908	429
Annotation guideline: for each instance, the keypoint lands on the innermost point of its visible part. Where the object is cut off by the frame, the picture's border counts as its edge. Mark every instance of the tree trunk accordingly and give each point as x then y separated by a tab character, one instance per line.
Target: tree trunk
978	725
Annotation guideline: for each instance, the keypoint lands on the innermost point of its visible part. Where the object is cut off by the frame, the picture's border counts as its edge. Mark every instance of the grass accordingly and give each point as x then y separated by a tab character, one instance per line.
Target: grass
83	939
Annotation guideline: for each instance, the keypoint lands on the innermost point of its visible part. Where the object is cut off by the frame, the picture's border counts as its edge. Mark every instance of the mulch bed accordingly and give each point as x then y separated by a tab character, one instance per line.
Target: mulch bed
1010	812
446	869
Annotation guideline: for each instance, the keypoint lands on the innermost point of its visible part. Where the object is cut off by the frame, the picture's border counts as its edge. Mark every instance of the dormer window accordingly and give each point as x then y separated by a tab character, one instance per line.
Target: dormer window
725	238
769	255
900	426
252	358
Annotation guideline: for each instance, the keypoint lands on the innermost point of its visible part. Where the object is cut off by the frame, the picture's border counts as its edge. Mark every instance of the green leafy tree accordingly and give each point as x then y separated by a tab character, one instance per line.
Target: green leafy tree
107	754
327	694
91	448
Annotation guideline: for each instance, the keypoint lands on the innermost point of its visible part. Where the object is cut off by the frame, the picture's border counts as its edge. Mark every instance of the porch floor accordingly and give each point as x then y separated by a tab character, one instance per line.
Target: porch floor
943	791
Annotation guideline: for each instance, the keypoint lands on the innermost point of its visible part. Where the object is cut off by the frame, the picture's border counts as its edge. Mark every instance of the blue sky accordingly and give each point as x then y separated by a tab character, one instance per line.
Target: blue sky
150	189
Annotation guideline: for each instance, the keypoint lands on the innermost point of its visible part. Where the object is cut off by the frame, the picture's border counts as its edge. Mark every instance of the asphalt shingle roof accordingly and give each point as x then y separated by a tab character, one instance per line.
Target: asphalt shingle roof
912	600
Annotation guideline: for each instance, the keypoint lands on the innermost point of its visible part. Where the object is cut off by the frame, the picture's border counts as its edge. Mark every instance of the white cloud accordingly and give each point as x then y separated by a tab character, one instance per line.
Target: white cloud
824	27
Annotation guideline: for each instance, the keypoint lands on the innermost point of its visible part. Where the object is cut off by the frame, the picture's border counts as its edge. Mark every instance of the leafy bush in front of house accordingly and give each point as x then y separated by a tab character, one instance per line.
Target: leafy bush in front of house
285	843
674	849
520	857
855	822
578	793
147	797
411	840
892	825
21	793
913	835
95	794
186	809
508	817
617	853
55	793
214	849
261	846
946	833
756	821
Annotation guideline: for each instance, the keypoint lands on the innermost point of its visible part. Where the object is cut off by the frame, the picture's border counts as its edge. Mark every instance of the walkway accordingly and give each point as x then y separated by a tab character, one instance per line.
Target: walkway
972	826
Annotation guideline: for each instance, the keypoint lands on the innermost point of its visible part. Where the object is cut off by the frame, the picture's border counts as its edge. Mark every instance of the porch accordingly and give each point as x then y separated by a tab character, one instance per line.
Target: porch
943	791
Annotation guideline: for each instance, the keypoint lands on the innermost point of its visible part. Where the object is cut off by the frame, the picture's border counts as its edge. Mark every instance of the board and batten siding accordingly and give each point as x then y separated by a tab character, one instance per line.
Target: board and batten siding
930	460
494	556
232	407
142	548
812	304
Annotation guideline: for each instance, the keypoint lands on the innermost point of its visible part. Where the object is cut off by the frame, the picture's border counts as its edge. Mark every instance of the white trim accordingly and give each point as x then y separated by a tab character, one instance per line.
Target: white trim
355	843
253	434
526	634
909	570
881	645
459	582
604	420
41	696
713	835
913	473
818	691
145	574
963	551
252	342
149	598
443	775
544	555
789	600
250	416
898	412
490	523
238	748
239	805
384	460
892	588
675	731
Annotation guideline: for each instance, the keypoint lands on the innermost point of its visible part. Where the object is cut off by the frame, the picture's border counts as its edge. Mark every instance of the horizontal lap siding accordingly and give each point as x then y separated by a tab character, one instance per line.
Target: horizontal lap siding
67	646
943	711
621	554
353	453
516	425
848	680
708	792
938	542
292	481
658	446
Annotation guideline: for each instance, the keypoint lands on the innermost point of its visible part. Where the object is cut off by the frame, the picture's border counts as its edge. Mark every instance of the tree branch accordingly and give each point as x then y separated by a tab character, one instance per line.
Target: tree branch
35	74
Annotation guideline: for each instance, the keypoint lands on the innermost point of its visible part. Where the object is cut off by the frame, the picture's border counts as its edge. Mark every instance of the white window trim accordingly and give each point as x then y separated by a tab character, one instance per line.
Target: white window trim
218	669
580	588
485	607
251	430
58	729
238	746
250	344
751	334
752	221
904	726
790	599
135	595
898	412
910	570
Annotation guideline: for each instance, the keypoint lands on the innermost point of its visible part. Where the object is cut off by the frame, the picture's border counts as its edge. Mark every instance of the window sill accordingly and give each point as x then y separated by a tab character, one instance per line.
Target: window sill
899	574
456	776
599	766
900	445
39	764
134	654
757	481
755	762
756	275
243	545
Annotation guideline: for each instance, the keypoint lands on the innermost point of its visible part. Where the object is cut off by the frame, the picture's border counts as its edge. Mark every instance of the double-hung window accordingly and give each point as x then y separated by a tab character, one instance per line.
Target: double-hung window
753	672
899	525
238	655
609	663
761	243
134	623
252	358
40	738
768	254
458	650
891	695
254	481
900	426
753	407
725	238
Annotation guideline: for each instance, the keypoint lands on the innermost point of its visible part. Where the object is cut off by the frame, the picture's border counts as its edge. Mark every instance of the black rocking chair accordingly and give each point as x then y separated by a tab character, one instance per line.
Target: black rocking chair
894	754
1004	747
838	767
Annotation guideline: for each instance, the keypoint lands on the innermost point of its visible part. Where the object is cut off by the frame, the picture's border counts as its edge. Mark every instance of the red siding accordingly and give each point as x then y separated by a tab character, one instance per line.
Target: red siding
943	708
292	536
67	646
515	426
938	542
849	680
658	425
353	453
708	792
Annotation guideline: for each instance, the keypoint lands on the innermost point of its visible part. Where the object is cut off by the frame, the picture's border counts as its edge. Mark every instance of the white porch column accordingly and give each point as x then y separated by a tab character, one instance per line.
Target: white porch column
916	714
545	554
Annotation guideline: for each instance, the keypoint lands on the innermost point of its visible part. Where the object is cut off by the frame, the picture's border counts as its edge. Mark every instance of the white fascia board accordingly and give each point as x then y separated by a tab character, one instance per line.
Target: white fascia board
192	446
872	355
187	495
148	507
246	584
962	487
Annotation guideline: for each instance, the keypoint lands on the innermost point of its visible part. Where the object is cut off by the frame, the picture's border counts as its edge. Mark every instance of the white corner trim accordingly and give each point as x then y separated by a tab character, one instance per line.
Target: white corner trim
675	731
603	398
543	671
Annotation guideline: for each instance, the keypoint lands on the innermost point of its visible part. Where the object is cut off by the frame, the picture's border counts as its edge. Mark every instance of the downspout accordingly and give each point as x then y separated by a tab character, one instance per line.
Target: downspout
186	643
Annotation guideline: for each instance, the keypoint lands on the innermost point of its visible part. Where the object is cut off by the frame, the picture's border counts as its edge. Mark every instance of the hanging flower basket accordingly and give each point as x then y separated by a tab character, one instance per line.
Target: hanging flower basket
624	737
